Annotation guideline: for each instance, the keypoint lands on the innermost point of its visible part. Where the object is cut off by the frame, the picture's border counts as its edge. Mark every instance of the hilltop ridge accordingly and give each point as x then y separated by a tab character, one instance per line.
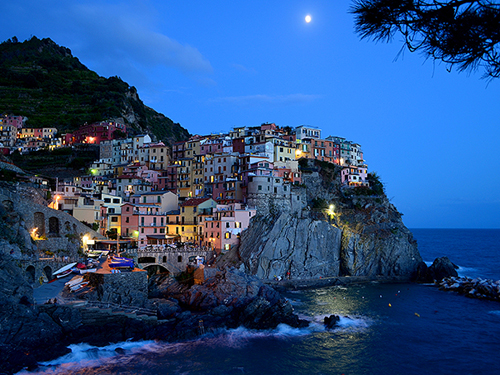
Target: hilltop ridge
52	88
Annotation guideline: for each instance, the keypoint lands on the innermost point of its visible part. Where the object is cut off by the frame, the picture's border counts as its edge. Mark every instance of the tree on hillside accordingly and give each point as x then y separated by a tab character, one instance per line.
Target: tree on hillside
462	33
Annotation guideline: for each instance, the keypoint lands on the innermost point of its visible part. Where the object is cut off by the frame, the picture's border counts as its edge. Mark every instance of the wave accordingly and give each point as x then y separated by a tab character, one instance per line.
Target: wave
90	356
494	312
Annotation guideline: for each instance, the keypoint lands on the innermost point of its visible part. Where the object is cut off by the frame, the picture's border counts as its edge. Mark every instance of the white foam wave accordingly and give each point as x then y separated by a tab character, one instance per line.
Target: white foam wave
83	352
494	312
89	356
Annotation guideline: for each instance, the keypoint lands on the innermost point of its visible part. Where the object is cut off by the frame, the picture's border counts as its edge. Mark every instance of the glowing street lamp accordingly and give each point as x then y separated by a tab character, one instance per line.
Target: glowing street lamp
85	239
56	205
331	211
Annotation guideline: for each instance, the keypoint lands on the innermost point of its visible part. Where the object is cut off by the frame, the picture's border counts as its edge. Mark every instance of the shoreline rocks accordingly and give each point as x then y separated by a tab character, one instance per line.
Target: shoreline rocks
441	268
472	288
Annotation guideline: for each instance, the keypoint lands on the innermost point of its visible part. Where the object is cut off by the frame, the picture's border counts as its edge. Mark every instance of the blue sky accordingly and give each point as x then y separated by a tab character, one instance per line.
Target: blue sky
431	134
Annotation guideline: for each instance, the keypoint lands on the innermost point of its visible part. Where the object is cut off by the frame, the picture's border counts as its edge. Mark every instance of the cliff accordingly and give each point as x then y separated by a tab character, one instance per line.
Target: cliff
336	232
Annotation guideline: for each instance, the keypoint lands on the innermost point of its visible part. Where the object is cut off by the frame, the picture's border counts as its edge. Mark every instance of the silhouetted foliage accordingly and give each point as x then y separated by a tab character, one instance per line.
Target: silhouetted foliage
112	234
464	33
319	204
376	184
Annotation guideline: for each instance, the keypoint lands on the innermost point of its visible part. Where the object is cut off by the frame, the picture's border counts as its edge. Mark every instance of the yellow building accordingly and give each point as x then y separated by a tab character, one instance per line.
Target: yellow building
187	223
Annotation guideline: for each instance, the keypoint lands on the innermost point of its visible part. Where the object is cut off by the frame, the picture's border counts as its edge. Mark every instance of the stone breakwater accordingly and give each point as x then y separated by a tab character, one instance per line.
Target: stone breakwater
474	288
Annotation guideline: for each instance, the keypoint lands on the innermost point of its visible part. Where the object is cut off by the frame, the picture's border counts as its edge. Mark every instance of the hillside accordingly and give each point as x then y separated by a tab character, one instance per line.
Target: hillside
47	84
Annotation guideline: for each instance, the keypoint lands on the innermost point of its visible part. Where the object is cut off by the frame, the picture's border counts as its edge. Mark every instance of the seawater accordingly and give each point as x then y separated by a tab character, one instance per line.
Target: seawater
384	329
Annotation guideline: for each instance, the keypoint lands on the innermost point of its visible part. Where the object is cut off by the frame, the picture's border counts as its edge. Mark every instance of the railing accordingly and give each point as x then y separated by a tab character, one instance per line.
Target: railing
170	249
149	213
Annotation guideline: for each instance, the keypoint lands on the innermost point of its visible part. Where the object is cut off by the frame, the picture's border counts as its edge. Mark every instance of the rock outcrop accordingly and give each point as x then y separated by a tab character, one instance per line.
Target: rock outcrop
441	268
341	232
228	299
291	246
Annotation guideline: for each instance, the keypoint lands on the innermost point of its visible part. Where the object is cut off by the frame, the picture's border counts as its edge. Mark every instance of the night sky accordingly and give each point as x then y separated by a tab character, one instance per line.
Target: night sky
431	133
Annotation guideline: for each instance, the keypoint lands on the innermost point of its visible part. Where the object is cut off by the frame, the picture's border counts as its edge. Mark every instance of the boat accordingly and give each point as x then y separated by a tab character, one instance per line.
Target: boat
97	253
83	272
64	269
75	280
121	264
64	273
77	287
119	259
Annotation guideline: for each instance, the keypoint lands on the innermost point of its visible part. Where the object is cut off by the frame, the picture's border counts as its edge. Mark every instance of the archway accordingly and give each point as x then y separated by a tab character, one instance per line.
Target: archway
54	226
39	223
30	274
48	272
155	269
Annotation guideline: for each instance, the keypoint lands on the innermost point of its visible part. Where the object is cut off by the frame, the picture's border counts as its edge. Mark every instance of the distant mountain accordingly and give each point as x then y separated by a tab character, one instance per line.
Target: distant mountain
47	84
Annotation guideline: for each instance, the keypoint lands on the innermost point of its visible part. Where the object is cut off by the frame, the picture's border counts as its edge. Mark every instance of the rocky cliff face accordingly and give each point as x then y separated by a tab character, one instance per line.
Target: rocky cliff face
362	235
303	247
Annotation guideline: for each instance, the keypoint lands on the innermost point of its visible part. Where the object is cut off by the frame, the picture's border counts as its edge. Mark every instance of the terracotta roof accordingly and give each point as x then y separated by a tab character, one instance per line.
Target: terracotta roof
194	201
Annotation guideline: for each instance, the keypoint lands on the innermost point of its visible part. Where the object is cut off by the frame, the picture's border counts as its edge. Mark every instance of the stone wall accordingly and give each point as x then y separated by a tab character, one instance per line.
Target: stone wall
59	230
174	260
293	202
126	288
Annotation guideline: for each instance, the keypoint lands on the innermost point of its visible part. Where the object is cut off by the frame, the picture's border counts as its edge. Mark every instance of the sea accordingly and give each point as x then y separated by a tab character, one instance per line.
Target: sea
384	329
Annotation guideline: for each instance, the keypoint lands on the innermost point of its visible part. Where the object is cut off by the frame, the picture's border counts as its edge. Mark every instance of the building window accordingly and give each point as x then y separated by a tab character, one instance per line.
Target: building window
179	258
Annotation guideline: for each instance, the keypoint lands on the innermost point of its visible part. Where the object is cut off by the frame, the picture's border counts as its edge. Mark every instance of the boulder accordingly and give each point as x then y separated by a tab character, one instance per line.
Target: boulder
331	321
441	268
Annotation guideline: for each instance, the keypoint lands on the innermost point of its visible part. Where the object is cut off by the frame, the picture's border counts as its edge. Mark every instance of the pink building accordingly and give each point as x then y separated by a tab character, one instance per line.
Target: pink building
139	221
222	231
354	175
16	121
211	146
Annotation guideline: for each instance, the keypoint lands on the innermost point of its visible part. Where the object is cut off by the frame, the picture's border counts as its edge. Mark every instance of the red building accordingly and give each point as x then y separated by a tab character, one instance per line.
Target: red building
94	133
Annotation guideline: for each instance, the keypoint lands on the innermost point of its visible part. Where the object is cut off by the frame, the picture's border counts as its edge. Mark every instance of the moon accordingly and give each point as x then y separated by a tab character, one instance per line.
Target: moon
308	18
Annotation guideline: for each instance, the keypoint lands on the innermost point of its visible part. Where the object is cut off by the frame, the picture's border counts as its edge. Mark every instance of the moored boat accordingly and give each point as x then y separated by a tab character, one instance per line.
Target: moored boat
64	273
77	287
64	269
121	264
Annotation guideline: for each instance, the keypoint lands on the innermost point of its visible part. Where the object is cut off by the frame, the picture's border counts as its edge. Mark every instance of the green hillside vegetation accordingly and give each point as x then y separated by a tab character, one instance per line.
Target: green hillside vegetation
47	84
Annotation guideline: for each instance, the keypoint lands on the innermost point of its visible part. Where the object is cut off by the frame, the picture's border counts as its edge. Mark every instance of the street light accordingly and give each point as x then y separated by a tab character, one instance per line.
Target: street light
85	239
331	211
